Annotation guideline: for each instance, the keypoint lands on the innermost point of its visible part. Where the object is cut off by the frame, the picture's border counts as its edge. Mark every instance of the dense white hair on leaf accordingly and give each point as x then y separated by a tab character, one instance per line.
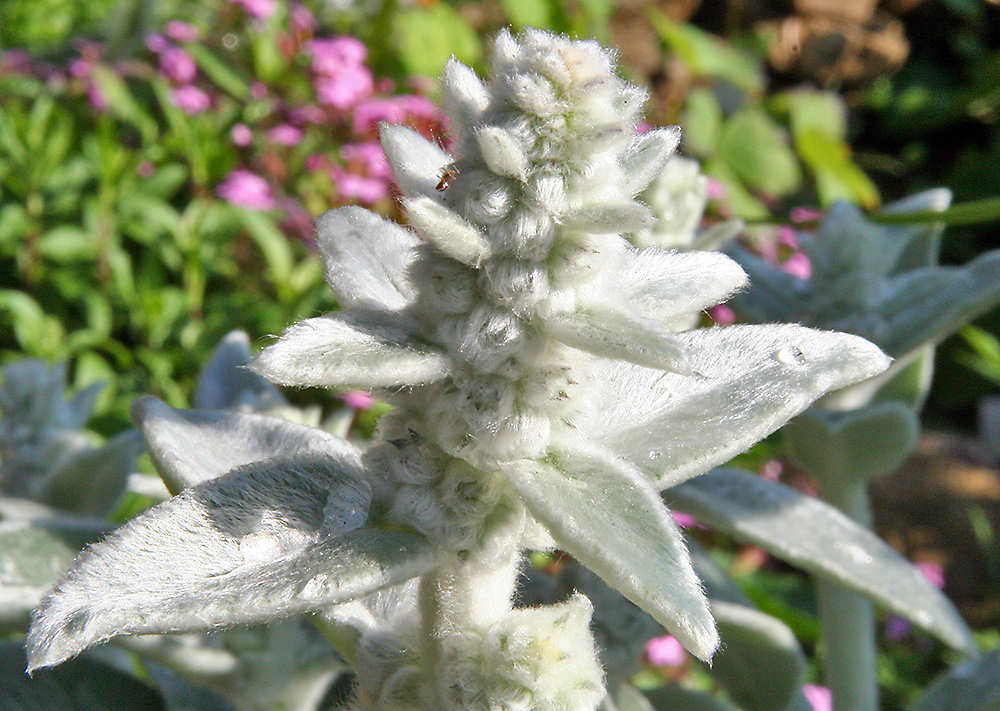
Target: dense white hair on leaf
367	259
252	545
192	446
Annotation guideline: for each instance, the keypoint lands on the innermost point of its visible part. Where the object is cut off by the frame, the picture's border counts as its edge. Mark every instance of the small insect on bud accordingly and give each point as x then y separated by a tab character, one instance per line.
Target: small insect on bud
448	173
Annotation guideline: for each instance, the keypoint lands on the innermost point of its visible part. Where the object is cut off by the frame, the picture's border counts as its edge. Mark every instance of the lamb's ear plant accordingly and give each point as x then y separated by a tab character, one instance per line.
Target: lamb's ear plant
539	399
883	282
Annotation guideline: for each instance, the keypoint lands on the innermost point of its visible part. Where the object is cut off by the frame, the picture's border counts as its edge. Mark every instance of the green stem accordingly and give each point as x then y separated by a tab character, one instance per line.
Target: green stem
848	621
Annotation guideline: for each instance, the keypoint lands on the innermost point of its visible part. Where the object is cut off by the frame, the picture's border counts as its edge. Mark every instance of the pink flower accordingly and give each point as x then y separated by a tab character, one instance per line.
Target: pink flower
241	135
933	572
358	400
369	156
344	89
181	31
331	56
241	187
157	43
306	114
722	314
285	135
258	90
819	697
352	185
191	99
805	214
665	651
798	265
315	162
684	520
772	469
301	19
177	65
257	9
145	169
715	190
369	114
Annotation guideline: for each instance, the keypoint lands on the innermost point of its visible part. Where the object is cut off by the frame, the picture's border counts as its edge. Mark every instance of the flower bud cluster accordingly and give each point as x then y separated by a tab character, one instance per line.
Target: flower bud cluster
525	216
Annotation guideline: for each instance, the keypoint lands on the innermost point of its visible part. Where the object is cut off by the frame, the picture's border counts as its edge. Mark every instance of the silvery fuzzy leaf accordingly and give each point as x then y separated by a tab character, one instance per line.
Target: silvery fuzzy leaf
616	334
666	285
447	230
605	513
855	445
225	384
82	685
972	686
820	539
390	608
360	349
416	162
749	381
91	482
924	242
264	541
645	158
31	560
367	259
463	94
717	236
759	664
775	295
609	219
189	447
925	306
674	697
502	152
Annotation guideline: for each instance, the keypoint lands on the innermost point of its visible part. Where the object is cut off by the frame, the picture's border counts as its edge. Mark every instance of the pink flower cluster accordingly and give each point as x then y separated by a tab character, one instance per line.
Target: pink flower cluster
341	78
179	68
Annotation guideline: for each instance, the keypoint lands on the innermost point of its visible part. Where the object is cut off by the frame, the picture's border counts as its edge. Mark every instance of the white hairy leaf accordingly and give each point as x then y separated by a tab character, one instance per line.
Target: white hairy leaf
502	152
192	446
366	258
816	537
646	157
416	162
447	230
465	96
667	285
362	349
264	541
609	219
615	334
749	380
607	515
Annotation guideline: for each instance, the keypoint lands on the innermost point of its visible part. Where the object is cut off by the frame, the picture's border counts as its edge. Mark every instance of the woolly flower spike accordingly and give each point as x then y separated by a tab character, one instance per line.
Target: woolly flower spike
540	396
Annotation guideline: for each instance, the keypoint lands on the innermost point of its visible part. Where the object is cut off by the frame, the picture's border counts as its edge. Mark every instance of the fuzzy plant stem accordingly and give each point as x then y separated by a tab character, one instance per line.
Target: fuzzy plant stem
848	620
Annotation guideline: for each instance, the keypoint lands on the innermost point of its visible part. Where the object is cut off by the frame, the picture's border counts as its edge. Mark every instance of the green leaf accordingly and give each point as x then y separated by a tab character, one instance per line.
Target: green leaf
607	515
427	37
36	332
273	244
837	176
266	540
709	56
221	74
529	13
972	686
79	685
854	445
66	244
757	150
966	213
760	663
820	539
702	121
123	103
